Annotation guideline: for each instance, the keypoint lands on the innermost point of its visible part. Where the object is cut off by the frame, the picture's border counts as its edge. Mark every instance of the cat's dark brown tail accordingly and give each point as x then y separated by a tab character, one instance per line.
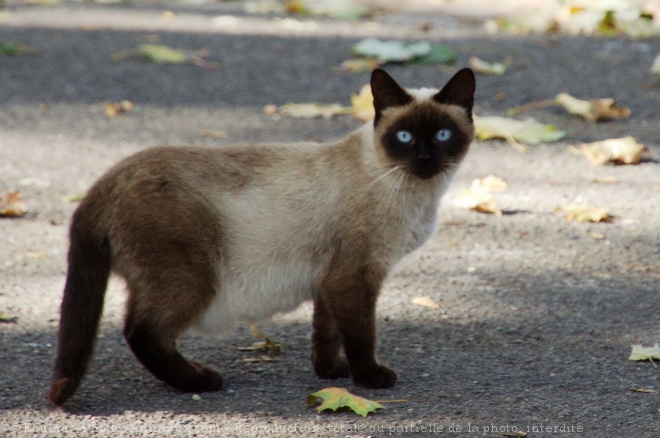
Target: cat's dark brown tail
82	306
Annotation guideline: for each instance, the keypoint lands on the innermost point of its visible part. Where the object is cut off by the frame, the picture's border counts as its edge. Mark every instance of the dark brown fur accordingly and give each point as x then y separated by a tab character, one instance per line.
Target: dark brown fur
196	233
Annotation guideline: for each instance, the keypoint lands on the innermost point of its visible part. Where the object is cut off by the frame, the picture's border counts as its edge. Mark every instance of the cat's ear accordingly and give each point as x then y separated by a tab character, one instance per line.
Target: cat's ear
387	93
459	91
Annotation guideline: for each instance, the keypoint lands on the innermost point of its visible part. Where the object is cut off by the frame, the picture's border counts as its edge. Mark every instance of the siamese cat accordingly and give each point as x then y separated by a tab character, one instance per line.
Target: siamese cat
206	238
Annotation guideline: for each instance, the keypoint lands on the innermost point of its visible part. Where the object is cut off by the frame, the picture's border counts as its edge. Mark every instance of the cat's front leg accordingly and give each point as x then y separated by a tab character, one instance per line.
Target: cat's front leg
327	358
351	302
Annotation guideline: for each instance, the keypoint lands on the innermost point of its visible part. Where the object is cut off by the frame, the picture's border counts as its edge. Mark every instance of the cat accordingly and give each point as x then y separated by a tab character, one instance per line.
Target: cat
206	238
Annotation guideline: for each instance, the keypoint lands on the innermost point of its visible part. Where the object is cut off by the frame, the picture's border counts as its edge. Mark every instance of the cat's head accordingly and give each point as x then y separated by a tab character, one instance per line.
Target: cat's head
426	132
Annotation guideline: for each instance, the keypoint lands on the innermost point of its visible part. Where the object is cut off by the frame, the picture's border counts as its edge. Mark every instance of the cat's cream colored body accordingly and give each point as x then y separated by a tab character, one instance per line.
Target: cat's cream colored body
287	223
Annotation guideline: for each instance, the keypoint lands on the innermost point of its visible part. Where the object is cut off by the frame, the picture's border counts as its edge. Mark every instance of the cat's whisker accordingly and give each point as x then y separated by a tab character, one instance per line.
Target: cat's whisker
372	183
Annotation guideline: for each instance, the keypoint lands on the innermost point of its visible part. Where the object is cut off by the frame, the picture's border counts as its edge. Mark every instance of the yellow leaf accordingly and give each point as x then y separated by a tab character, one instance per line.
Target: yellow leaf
313	110
335	398
11	205
74	197
585	213
478	201
359	65
256	331
37	255
488	184
363	104
296	7
487	68
592	110
426	302
625	150
162	54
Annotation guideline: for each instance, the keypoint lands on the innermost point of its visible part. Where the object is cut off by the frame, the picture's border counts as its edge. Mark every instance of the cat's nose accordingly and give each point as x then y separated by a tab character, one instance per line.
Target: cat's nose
424	154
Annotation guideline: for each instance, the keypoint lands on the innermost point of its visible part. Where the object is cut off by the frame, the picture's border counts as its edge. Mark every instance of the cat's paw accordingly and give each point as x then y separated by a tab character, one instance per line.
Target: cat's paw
205	380
331	370
378	377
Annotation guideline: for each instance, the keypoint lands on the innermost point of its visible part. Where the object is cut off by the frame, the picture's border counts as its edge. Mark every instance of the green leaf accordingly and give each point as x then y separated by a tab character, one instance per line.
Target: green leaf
334	398
13	48
162	54
645	353
527	131
72	197
655	67
439	54
391	50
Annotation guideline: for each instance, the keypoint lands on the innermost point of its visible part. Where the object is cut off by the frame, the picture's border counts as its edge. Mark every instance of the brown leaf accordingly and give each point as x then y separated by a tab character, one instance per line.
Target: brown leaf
478	201
592	110
11	205
643	390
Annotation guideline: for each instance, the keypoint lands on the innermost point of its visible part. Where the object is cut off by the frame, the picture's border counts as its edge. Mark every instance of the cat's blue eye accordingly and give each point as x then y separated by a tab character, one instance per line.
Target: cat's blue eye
443	135
404	136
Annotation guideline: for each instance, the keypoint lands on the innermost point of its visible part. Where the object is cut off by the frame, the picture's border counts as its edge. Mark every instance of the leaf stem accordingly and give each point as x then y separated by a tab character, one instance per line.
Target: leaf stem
531	106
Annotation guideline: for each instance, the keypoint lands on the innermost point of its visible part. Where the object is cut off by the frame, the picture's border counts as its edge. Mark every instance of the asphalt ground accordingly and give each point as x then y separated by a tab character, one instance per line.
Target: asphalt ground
538	315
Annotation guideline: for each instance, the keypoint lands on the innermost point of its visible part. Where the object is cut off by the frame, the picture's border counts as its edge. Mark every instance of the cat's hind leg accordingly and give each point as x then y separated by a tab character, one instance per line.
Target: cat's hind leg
152	329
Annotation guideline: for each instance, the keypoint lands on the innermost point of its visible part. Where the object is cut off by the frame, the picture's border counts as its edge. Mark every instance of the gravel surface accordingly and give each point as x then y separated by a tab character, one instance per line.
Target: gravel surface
538	314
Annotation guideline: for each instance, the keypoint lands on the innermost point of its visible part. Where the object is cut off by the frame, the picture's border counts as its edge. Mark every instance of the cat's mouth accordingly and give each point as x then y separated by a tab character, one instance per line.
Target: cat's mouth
428	169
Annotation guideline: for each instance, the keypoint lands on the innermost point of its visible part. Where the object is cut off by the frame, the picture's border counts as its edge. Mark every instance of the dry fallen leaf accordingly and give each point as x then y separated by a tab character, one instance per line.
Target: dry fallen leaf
313	110
592	110
527	131
477	201
585	213
488	184
212	134
488	68
262	358
643	390
114	108
363	104
335	398
161	54
426	302
265	346
4	319
358	65
11	205
625	150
